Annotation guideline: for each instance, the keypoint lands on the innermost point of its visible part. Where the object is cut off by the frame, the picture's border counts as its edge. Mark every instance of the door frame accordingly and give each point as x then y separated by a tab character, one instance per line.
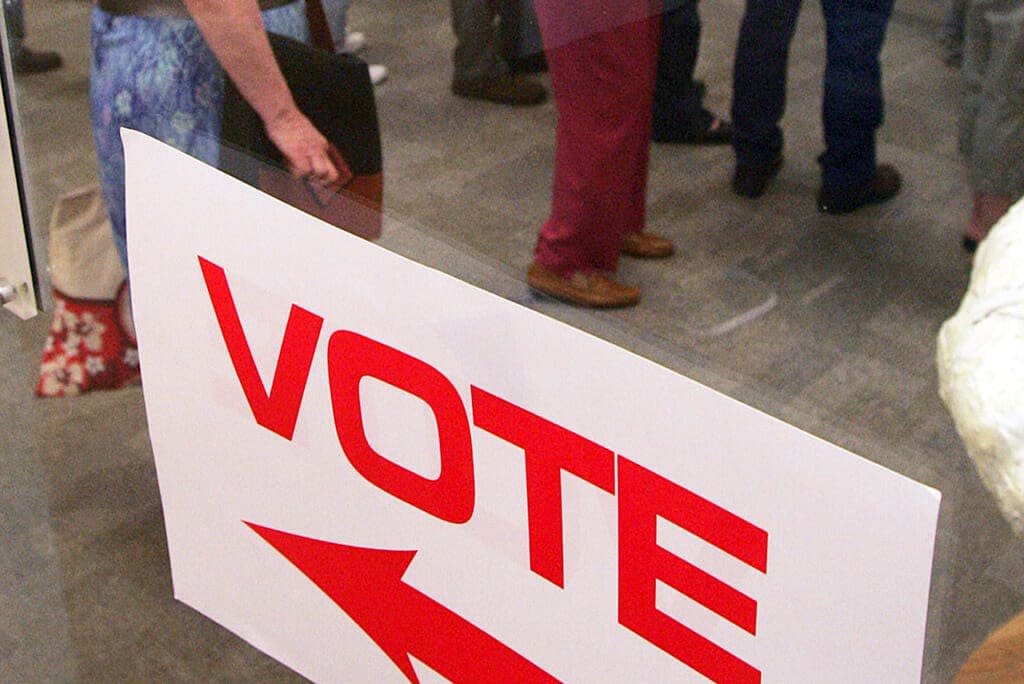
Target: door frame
18	266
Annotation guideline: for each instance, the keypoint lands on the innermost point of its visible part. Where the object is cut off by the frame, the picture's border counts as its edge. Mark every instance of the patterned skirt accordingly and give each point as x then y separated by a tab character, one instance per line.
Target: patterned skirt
159	77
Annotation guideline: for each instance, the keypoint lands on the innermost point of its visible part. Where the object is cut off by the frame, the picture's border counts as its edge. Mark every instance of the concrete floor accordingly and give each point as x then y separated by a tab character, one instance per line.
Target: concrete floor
826	322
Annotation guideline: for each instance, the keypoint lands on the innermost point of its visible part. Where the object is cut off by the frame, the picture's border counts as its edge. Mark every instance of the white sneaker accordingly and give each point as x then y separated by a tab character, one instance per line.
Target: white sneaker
378	73
354	42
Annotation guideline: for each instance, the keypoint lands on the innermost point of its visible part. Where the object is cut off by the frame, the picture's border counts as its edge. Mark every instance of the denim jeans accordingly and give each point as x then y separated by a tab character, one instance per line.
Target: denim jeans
678	99
852	108
336	12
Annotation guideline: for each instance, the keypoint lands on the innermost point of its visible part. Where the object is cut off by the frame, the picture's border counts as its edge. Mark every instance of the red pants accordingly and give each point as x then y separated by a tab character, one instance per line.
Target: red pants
603	80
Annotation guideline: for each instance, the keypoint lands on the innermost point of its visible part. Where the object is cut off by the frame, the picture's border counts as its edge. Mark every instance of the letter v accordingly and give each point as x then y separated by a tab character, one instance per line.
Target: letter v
279	410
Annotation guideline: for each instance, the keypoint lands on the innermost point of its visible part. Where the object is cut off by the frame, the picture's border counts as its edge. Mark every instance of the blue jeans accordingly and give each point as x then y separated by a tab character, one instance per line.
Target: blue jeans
852	109
678	99
336	12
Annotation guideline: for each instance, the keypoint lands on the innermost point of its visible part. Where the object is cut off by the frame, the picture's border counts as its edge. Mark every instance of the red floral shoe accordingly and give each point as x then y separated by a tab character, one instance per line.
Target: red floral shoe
91	346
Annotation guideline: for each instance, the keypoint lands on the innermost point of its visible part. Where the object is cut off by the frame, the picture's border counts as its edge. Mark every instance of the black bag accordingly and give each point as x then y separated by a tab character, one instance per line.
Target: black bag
334	91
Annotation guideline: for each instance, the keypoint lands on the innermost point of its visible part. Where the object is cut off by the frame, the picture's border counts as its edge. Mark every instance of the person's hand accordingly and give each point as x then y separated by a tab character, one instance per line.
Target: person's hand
306	150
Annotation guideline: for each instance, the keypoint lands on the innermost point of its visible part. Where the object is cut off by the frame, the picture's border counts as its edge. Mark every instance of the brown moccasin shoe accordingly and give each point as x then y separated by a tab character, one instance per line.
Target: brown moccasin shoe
591	289
646	246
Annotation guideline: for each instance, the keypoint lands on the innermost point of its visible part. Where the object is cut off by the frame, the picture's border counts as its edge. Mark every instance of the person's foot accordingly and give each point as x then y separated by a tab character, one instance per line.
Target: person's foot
987	211
591	289
378	73
751	180
510	89
646	246
884	185
717	132
30	61
355	41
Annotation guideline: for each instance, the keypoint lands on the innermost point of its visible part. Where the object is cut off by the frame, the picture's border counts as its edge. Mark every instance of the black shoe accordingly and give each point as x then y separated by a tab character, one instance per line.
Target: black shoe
507	89
884	185
717	132
750	180
36	62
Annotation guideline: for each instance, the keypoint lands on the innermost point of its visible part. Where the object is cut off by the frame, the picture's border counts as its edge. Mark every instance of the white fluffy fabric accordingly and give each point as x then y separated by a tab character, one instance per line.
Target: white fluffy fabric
981	365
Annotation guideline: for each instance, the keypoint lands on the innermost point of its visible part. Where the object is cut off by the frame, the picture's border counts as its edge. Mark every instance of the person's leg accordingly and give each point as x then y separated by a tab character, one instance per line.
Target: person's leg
974	65
759	79
336	12
23	59
853	107
995	163
759	91
951	35
603	85
507	12
528	55
476	42
479	71
679	112
992	125
158	76
139	67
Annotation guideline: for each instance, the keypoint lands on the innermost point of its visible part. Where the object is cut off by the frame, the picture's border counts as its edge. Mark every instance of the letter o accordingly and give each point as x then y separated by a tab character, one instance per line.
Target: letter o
350	358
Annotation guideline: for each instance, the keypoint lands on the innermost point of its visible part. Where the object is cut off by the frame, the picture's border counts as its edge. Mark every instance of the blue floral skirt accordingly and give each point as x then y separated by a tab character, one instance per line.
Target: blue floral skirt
159	77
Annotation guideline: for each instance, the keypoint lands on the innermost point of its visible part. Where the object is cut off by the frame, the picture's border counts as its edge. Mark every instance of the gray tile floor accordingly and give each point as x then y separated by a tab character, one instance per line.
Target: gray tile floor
826	322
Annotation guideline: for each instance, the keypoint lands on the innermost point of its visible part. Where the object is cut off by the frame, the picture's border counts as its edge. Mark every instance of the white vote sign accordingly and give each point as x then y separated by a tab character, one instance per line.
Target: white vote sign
375	472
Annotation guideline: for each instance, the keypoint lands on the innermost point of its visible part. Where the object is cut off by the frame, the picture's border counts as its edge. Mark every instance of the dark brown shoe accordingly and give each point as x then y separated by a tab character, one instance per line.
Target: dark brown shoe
884	185
30	61
751	180
509	89
646	246
591	289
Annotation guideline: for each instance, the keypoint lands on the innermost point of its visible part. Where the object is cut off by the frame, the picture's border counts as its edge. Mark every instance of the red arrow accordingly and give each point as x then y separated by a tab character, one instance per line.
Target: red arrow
367	584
